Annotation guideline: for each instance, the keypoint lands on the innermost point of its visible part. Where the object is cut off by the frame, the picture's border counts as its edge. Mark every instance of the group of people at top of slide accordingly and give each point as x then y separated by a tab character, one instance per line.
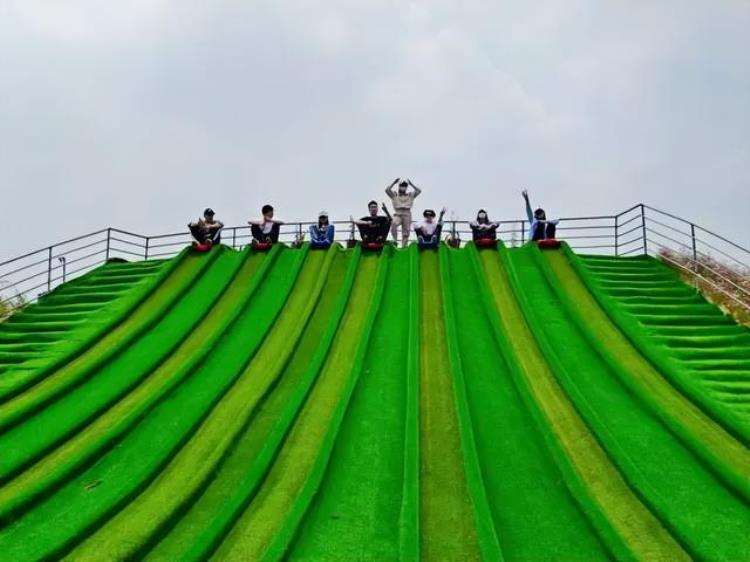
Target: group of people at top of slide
374	227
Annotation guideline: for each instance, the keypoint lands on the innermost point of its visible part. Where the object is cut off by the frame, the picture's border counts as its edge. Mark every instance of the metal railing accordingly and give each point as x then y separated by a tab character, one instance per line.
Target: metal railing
640	229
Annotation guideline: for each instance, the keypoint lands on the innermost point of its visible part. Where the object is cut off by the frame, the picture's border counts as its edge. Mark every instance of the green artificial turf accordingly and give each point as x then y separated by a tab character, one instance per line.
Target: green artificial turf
701	513
458	404
370	447
534	515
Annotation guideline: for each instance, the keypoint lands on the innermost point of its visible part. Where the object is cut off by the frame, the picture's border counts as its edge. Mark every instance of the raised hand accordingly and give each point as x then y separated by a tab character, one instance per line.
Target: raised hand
525	194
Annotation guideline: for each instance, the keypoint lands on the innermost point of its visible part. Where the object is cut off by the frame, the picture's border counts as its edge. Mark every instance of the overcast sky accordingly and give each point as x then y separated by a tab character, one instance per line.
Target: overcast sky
139	114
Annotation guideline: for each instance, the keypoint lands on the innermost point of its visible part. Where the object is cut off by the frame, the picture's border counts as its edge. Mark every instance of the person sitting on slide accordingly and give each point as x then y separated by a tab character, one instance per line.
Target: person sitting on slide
206	231
266	230
428	231
373	228
402	201
321	234
483	231
539	227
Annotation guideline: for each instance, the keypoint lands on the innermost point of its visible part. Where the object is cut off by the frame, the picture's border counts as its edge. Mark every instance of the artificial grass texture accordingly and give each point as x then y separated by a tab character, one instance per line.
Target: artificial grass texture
363	521
626	525
448	528
706	517
534	515
271	518
197	534
103	291
699	349
339	405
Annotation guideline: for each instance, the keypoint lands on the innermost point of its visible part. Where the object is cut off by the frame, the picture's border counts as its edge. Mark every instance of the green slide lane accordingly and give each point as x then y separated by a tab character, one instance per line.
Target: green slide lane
63	461
485	528
448	526
52	383
197	534
103	388
104	291
534	515
370	445
703	515
96	494
269	521
698	348
626	525
98	337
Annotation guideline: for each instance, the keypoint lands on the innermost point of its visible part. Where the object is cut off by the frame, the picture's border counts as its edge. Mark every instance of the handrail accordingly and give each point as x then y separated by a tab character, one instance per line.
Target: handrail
629	232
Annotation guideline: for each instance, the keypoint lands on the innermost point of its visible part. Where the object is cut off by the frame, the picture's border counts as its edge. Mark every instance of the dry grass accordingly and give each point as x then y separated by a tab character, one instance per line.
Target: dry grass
721	283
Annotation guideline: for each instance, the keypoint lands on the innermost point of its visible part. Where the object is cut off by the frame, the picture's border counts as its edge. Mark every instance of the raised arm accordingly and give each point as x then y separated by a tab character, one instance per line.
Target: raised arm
358	222
417	191
442	214
385	210
529	212
389	189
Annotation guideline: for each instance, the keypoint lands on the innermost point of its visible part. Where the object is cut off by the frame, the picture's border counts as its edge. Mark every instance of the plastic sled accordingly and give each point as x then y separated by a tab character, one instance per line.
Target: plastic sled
372	246
548	244
315	245
262	246
485	243
200	248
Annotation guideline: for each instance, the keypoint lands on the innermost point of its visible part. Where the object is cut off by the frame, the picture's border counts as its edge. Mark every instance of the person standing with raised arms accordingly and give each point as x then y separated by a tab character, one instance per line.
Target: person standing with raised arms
403	201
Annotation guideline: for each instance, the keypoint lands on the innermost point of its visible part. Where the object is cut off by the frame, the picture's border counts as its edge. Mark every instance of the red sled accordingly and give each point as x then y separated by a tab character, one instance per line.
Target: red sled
485	243
372	246
262	246
201	248
548	244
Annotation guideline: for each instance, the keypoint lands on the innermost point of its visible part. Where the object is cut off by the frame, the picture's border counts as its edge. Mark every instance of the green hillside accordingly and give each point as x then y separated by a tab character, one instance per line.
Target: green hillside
460	404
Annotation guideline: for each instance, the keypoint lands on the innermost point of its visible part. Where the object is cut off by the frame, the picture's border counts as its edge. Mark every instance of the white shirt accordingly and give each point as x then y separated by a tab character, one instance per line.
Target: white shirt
403	202
428	228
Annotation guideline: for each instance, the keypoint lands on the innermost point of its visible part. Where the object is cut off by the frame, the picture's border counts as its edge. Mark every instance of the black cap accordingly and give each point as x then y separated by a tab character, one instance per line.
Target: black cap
428	213
404	184
208	211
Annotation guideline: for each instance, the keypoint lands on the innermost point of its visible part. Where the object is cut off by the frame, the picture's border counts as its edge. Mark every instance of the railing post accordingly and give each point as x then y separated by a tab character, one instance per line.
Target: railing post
62	261
234	237
523	233
692	238
617	235
145	250
49	269
109	235
643	225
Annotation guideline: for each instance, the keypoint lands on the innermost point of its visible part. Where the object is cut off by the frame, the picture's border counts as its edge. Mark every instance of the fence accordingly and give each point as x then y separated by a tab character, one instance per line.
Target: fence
640	229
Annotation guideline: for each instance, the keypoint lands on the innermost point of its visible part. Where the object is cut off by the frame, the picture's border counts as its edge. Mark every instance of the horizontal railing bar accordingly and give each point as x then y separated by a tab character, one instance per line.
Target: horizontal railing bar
121	251
737	246
633	208
623	234
631	219
632	240
698	275
677	230
78	249
633	250
29	266
47	248
129	242
715	249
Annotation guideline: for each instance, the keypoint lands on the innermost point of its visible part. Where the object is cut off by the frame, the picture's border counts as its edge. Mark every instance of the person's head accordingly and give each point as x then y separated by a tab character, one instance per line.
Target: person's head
372	206
267	211
208	214
482	217
540	215
429	215
402	186
322	218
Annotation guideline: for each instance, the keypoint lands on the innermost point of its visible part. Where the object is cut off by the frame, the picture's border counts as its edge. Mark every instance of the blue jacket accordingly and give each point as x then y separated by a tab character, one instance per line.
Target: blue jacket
322	234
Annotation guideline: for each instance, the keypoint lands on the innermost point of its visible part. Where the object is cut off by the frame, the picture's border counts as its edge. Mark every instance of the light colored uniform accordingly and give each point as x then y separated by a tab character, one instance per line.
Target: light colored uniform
402	204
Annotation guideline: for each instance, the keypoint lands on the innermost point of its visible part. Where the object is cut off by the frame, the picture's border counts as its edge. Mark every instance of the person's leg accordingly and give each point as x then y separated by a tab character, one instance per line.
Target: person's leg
550	231
216	235
405	229
195	232
395	223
